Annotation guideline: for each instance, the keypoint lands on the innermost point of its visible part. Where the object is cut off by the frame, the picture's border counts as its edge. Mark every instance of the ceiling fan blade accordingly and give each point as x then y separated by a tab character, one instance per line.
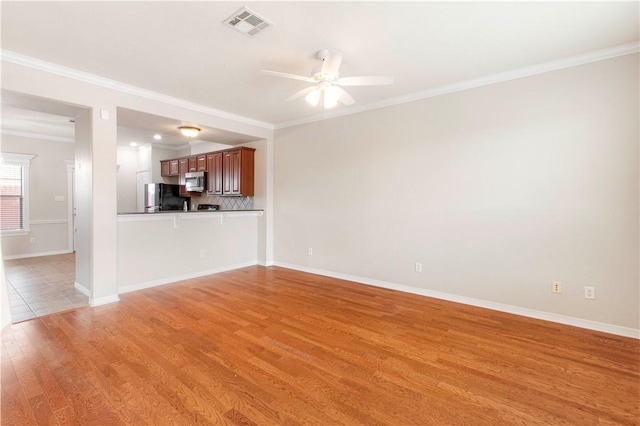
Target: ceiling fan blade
331	62
301	93
364	81
343	96
293	76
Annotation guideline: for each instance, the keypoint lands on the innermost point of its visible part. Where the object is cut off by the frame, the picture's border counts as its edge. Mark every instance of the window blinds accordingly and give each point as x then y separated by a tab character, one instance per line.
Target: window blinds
11	197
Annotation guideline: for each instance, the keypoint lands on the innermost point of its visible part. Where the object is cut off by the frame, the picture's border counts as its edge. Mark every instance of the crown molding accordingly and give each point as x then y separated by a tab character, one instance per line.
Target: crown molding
572	61
38	136
30	62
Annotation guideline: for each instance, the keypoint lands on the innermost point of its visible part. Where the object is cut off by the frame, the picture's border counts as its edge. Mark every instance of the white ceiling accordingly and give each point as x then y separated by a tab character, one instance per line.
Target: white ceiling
182	49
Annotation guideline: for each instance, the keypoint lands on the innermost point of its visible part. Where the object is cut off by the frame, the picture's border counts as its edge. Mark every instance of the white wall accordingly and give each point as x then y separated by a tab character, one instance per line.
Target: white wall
497	191
83	200
127	158
158	154
162	248
202	147
49	222
5	309
262	198
144	158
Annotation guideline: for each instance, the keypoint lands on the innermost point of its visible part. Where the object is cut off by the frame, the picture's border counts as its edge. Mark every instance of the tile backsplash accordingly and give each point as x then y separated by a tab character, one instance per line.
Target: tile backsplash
225	203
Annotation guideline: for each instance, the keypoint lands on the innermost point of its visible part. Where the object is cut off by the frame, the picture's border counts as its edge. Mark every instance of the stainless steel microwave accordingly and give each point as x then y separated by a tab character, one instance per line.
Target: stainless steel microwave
195	181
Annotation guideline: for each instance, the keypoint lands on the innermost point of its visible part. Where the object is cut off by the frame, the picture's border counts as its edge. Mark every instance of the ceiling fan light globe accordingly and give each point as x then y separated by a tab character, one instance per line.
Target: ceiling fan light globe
313	98
330	97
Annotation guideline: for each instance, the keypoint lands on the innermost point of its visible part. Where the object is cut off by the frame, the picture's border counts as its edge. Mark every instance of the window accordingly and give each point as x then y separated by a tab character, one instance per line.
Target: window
14	193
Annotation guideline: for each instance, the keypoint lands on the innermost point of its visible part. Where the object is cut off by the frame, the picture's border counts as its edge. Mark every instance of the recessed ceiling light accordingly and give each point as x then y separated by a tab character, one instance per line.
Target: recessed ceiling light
157	137
133	143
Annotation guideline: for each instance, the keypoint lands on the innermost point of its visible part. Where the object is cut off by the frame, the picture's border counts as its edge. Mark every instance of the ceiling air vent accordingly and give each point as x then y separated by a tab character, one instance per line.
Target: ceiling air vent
247	22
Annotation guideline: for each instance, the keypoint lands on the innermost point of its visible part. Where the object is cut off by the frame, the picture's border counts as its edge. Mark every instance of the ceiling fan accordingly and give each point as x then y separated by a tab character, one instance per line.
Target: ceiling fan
327	82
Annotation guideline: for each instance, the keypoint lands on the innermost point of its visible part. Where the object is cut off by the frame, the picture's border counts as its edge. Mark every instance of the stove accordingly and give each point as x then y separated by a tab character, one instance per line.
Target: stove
208	207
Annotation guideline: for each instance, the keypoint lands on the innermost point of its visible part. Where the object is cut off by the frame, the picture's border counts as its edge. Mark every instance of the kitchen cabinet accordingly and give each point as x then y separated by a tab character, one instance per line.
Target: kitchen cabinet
169	168
164	168
214	173
229	172
183	168
201	163
237	172
174	169
192	164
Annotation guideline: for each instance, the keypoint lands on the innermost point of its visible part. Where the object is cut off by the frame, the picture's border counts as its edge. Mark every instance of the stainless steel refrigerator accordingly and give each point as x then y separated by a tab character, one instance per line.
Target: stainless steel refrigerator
164	196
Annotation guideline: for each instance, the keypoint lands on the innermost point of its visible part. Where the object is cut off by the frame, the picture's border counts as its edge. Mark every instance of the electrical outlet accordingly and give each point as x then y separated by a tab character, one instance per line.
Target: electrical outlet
32	240
556	287
589	293
310	251
202	252
418	267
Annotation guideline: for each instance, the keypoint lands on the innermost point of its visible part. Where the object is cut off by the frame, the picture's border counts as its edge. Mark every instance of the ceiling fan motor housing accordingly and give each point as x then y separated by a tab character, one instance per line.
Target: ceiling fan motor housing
317	73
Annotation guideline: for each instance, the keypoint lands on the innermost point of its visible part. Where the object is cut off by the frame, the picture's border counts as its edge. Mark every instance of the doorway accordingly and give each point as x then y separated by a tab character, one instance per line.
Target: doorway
41	267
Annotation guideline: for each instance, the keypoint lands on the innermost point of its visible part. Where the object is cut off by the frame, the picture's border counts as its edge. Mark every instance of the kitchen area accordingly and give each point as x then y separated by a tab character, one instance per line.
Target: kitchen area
188	206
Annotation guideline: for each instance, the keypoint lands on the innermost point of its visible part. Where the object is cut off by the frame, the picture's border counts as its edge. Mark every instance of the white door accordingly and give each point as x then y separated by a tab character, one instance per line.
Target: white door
143	179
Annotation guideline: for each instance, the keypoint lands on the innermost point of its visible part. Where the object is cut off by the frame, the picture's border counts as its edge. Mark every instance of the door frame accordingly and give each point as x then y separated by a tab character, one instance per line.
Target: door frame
71	211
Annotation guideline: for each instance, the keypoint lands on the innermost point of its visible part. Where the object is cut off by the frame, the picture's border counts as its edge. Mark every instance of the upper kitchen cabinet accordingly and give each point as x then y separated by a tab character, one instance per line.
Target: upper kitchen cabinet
169	168
183	169
192	164
237	172
214	173
201	163
229	172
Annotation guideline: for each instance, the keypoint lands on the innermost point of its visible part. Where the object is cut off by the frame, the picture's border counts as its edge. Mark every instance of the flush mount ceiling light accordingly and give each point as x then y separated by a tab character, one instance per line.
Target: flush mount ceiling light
189	131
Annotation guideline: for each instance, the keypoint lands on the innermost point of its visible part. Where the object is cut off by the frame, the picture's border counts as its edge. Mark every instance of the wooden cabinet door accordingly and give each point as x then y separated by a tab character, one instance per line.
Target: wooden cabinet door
214	173
232	173
165	168
183	168
237	176
201	163
192	164
174	168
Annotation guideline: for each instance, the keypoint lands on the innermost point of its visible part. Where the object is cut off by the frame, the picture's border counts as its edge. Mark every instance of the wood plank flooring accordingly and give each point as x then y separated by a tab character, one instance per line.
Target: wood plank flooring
271	346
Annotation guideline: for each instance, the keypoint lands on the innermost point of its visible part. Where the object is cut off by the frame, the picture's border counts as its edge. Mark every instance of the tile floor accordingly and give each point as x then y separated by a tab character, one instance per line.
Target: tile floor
40	286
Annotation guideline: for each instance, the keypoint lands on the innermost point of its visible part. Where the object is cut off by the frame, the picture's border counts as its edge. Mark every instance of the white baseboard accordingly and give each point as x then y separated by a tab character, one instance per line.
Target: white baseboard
265	262
175	278
43	253
82	289
516	310
103	300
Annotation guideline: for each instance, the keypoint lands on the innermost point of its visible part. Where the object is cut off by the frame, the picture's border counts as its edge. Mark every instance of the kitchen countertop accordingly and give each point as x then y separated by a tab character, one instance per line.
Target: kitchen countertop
190	211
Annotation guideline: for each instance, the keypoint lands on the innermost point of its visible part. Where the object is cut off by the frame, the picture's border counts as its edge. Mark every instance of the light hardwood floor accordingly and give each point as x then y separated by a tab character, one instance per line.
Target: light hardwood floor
271	346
